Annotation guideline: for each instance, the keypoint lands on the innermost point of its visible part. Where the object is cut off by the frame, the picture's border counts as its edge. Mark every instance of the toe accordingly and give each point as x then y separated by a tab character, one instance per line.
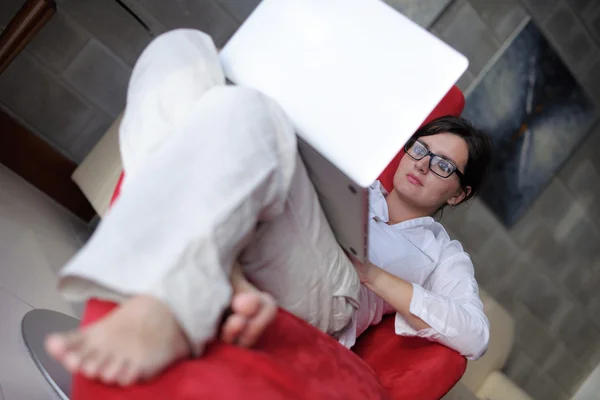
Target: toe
247	304
233	327
257	324
59	344
93	364
55	345
66	348
111	370
72	362
128	374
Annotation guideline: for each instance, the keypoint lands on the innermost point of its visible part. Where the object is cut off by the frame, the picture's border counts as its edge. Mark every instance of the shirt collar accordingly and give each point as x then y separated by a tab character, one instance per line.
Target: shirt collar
378	209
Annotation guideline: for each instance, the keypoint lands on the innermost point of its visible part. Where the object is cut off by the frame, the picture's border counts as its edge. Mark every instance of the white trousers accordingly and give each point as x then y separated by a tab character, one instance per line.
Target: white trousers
212	175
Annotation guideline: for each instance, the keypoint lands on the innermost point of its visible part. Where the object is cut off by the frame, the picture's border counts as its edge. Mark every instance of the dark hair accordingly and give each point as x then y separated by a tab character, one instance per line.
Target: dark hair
478	143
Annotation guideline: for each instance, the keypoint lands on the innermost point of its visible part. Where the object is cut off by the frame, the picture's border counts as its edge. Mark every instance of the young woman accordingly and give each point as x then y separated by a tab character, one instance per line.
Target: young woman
416	269
216	203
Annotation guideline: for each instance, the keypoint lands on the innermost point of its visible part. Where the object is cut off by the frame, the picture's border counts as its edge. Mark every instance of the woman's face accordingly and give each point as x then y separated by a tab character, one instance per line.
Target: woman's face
415	183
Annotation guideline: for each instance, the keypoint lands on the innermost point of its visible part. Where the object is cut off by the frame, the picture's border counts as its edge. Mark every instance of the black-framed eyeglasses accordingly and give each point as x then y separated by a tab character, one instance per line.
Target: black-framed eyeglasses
437	164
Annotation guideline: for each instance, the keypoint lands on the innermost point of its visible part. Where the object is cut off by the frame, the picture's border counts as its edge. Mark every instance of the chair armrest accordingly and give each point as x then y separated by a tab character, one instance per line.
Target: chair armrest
460	392
409	367
502	333
498	386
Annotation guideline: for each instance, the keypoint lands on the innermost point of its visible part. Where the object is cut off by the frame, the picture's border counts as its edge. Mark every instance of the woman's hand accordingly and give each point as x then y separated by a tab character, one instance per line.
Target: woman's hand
366	271
395	291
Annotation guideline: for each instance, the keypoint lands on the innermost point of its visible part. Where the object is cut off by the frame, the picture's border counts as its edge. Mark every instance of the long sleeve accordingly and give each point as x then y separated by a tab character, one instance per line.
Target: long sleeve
449	303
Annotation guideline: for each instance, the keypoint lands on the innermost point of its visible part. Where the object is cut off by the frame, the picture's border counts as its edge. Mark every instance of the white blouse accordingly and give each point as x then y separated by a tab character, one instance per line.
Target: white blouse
445	296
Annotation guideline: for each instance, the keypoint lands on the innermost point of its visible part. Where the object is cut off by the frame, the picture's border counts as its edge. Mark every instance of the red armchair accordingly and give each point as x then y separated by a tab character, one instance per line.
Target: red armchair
294	360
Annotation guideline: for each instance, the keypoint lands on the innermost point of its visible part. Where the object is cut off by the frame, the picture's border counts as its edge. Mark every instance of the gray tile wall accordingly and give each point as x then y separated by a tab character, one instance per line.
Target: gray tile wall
69	84
423	12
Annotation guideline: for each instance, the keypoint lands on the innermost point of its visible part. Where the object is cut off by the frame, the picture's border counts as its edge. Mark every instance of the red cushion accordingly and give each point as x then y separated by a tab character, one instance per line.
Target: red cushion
291	360
409	367
452	104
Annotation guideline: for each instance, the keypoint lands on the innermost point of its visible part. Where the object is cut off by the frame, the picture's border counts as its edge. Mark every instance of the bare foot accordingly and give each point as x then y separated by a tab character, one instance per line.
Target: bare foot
136	341
252	311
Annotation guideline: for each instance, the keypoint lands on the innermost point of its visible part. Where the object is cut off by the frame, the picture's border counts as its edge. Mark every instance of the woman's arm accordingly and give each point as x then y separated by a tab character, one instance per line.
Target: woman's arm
447	309
393	290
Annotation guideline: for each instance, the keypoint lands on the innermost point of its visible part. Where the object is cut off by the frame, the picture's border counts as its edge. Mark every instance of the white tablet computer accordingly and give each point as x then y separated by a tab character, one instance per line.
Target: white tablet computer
356	78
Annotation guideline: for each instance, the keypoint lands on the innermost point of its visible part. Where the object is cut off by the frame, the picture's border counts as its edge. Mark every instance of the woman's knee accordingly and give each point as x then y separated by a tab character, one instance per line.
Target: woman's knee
175	70
252	112
183	45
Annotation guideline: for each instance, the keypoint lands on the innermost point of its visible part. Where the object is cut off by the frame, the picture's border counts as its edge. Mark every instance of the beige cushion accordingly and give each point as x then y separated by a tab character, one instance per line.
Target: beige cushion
99	172
502	332
498	386
460	392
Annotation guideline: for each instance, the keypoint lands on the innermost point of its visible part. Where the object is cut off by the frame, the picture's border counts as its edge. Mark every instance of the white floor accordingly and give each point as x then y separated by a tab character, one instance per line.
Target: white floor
590	389
36	238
